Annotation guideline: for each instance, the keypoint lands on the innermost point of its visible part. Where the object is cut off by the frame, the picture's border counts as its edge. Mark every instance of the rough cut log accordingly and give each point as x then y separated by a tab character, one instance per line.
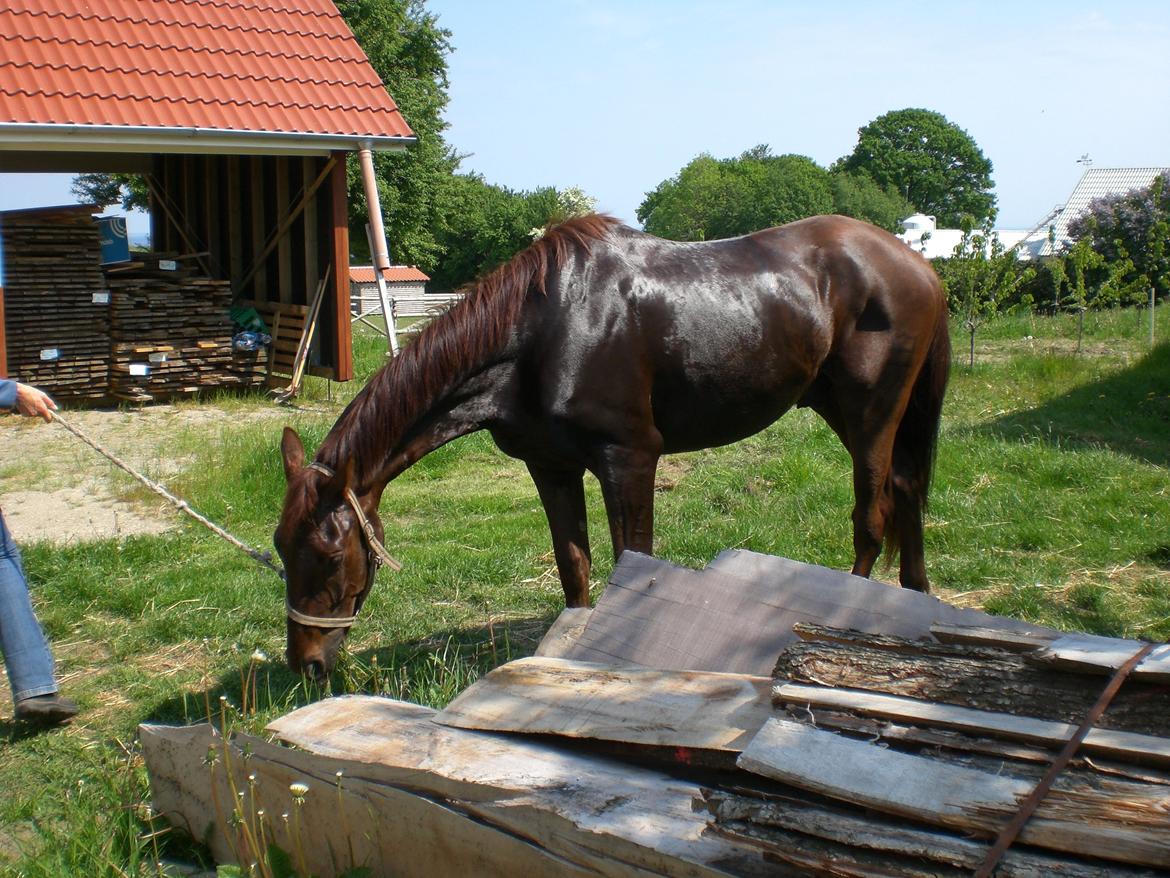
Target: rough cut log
425	799
1085	823
830	840
976	677
629	704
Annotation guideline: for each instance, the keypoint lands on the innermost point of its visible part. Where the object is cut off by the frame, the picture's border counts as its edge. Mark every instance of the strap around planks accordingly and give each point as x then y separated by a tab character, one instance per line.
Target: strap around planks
1015	826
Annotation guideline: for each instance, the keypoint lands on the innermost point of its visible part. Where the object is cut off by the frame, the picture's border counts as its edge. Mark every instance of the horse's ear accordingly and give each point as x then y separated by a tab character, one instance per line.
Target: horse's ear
293	452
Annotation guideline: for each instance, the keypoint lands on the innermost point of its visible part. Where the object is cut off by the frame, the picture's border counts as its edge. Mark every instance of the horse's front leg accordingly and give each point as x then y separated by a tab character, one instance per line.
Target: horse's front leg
562	493
627	485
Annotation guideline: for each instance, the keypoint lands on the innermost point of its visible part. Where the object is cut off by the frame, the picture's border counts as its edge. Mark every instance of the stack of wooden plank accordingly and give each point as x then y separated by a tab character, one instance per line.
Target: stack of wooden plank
898	746
902	757
56	304
170	332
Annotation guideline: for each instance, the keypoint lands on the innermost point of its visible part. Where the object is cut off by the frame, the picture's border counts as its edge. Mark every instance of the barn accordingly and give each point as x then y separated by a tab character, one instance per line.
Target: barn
240	115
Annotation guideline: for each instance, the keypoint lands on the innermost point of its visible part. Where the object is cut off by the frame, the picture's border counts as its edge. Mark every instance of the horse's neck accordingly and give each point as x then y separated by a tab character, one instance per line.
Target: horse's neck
390	427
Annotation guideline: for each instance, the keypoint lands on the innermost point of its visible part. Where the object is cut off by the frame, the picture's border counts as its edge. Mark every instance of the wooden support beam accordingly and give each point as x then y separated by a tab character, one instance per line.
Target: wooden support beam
338	323
278	234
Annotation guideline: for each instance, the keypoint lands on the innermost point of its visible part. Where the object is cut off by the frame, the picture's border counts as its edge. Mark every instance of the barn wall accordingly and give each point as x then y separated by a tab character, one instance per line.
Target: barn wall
252	219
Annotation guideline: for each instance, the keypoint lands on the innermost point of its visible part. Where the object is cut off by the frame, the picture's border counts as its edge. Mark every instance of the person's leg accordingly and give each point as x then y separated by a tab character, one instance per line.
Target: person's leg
26	653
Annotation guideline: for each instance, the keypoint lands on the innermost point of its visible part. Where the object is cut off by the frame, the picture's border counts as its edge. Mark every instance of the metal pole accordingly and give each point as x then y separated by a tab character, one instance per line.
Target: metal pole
376	235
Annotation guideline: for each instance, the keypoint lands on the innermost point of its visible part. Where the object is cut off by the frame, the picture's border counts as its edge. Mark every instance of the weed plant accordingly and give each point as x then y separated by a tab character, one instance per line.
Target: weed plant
1051	503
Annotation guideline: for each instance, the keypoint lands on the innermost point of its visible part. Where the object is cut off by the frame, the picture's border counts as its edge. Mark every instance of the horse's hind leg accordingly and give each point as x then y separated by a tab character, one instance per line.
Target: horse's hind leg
562	493
867	432
908	524
627	486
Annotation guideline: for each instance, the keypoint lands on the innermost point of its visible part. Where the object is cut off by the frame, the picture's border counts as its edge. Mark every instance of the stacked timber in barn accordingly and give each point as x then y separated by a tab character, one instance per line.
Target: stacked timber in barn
866	752
56	304
170	332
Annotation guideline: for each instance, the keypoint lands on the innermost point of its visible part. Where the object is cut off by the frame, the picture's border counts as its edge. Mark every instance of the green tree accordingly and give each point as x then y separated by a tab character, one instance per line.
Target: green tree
720	198
858	196
1129	228
933	163
980	278
486	225
409	51
127	190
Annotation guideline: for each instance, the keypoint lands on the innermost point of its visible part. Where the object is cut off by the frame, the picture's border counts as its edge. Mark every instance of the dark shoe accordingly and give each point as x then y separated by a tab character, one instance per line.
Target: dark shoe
46	710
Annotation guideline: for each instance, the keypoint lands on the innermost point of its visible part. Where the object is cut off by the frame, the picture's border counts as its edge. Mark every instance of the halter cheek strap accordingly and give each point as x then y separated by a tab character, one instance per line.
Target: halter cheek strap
378	557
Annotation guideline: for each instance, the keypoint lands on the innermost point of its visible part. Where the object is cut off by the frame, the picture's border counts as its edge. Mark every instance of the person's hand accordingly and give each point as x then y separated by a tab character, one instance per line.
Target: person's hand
34	403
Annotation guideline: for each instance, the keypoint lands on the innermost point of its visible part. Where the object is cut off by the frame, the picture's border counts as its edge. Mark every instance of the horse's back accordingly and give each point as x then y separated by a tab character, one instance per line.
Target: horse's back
713	341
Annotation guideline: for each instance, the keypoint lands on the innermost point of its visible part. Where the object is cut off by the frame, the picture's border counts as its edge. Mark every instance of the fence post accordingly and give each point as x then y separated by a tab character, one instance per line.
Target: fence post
1151	317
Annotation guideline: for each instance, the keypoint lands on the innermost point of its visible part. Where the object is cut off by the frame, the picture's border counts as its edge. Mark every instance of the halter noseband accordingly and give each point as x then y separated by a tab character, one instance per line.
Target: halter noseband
377	557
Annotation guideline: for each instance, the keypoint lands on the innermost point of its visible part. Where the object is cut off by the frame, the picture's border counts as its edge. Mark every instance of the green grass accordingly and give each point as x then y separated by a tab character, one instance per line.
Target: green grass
1051	503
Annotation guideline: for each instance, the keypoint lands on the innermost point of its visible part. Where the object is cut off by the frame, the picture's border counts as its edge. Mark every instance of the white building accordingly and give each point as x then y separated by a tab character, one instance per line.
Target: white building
919	231
1094	183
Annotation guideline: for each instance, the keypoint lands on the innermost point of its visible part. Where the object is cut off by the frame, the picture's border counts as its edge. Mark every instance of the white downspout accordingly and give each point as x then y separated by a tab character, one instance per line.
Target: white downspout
376	234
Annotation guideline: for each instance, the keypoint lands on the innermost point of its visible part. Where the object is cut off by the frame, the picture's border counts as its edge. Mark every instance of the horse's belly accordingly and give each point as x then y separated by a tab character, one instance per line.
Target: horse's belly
693	417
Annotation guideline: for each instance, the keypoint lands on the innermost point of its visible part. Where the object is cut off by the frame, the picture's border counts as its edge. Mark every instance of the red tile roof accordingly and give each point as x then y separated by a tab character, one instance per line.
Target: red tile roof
249	68
364	274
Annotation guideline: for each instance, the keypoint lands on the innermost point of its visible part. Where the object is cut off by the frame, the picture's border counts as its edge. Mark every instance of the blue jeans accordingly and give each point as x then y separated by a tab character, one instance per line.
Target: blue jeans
26	654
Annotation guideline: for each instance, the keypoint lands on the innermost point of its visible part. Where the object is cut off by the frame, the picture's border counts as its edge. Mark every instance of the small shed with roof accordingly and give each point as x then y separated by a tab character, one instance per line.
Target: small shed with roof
239	115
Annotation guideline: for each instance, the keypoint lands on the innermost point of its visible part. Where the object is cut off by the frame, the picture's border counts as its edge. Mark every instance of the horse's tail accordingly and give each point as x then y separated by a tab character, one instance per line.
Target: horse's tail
916	441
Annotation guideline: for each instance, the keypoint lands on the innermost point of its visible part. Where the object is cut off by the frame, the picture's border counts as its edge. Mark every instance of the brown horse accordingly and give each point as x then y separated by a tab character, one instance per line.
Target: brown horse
601	348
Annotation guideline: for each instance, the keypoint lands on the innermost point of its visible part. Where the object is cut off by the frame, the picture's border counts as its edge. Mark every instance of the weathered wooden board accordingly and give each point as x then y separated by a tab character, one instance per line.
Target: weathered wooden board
737	614
1127	746
1104	655
1084	822
425	799
630	704
564	632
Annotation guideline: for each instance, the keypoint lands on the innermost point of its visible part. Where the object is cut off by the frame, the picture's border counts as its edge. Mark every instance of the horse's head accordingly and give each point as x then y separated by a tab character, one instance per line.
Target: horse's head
330	542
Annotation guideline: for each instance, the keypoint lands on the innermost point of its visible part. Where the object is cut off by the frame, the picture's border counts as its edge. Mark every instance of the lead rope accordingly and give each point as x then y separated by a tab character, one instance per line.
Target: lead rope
259	557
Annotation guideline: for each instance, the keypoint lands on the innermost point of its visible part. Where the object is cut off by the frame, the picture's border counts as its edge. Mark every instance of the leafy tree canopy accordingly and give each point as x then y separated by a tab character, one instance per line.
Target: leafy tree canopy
486	225
1130	232
858	196
933	163
720	198
409	51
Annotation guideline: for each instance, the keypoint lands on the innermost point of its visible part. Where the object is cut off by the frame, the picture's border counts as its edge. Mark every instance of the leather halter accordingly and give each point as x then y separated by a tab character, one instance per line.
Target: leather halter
377	556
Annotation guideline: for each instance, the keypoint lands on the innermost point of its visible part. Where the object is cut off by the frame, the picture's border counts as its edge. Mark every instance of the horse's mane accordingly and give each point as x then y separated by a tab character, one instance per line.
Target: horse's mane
451	347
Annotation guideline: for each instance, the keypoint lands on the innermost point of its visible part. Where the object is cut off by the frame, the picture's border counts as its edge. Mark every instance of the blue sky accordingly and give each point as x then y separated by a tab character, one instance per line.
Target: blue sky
615	96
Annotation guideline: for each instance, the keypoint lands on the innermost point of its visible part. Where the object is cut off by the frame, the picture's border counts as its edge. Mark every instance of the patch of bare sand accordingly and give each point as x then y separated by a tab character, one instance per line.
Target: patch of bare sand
54	487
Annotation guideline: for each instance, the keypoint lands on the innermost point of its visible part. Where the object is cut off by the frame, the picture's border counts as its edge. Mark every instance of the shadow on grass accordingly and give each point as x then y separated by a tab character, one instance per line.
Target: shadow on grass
429	671
1128	412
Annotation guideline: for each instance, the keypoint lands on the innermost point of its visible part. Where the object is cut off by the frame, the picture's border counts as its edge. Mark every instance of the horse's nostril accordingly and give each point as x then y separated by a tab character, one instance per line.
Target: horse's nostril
315	669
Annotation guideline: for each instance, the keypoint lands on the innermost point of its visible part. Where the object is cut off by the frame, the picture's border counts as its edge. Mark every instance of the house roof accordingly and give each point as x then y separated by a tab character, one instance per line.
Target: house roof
364	274
242	76
1095	183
